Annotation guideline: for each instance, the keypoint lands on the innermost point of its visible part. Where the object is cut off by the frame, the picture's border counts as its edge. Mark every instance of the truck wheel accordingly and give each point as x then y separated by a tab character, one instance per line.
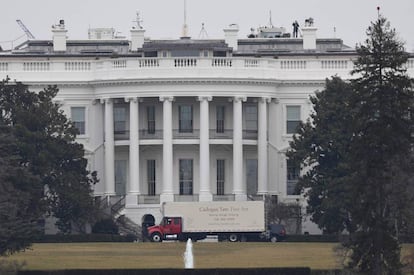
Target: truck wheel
156	237
273	239
233	238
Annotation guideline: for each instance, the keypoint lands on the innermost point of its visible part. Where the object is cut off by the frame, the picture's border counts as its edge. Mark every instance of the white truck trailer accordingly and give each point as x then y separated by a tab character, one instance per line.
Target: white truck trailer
233	221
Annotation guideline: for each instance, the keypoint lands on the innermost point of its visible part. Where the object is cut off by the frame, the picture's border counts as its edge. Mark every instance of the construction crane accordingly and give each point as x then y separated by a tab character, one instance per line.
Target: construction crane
26	30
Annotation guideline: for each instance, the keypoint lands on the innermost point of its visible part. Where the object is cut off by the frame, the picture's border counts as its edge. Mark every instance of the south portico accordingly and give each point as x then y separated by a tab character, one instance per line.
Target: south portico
202	142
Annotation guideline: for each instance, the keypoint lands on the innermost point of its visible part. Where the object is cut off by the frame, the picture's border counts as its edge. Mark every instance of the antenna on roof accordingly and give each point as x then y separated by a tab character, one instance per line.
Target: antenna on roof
270	19
203	33
26	30
185	27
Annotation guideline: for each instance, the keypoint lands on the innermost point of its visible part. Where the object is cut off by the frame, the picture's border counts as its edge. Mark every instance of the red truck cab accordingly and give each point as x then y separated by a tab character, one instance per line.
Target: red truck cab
170	228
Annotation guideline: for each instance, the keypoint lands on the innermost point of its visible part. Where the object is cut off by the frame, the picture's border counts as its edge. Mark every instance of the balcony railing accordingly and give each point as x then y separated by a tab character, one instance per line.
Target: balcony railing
226	134
154	134
185	198
177	134
249	134
147	199
121	135
186	134
227	197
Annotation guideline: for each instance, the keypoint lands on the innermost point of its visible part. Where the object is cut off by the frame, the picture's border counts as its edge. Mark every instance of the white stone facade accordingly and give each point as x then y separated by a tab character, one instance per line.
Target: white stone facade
172	127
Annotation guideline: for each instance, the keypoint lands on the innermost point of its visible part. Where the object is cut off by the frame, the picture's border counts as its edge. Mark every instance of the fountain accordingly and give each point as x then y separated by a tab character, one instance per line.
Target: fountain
188	255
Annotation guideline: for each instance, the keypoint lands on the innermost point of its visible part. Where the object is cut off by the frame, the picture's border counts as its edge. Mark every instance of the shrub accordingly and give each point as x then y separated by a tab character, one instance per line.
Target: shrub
105	226
85	238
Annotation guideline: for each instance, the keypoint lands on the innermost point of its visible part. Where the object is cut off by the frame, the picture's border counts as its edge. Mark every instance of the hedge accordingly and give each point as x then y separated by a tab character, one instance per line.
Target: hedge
333	238
225	271
315	238
85	238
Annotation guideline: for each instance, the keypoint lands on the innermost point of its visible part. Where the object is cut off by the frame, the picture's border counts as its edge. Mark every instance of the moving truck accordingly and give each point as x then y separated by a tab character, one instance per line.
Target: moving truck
230	220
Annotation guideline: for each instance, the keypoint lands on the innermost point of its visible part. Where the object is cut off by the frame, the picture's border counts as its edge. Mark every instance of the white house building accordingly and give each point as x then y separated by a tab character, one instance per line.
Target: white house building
185	119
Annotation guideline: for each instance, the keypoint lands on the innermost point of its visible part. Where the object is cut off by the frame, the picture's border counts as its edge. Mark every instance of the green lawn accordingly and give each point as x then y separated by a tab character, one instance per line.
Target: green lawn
170	255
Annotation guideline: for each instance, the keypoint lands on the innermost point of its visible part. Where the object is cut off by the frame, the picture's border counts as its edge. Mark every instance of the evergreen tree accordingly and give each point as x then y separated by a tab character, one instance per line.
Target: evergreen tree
19	210
321	146
359	160
45	150
381	156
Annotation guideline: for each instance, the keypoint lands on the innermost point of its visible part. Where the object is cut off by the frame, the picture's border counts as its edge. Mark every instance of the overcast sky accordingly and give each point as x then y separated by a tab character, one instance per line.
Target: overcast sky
164	18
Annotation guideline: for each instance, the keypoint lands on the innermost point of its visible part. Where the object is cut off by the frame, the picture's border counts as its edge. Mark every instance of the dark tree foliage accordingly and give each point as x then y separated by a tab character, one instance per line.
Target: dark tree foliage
321	146
382	158
105	226
358	153
51	176
19	210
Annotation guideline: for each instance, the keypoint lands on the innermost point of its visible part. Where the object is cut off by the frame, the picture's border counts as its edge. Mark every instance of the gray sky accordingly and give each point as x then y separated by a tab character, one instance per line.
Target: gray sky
164	18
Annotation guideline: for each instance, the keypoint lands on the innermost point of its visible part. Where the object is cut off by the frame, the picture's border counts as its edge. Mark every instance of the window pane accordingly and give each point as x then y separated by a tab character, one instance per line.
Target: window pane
292	177
251	117
251	176
119	119
119	113
293	112
220	114
185	53
78	118
78	113
151	112
186	176
291	126
220	176
151	177
120	176
185	118
292	119
151	119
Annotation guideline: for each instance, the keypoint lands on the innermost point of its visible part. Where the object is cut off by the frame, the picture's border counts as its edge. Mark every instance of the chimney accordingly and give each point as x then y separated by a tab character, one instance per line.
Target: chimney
309	35
137	38
59	36
230	35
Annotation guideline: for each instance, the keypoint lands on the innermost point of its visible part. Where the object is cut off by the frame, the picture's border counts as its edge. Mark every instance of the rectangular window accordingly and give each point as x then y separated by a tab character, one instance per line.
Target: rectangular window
151	177
151	119
185	118
220	176
119	120
292	119
186	176
220	116
251	118
185	53
293	173
78	118
120	176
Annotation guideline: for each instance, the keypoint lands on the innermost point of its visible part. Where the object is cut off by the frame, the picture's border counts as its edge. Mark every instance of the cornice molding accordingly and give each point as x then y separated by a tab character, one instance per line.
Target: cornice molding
166	81
204	81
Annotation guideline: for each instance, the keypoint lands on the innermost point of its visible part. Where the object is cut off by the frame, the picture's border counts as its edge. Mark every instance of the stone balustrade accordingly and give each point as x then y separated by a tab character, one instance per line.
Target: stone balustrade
142	68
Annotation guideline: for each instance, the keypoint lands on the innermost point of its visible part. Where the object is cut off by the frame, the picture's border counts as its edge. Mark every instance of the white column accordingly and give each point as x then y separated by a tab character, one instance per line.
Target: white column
167	152
133	187
205	192
262	187
238	190
109	148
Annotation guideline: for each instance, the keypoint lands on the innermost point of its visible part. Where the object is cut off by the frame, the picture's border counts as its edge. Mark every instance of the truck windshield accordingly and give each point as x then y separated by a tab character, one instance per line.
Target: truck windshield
166	221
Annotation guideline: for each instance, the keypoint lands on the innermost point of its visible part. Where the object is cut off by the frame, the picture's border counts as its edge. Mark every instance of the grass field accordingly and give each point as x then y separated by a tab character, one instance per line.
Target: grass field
170	255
